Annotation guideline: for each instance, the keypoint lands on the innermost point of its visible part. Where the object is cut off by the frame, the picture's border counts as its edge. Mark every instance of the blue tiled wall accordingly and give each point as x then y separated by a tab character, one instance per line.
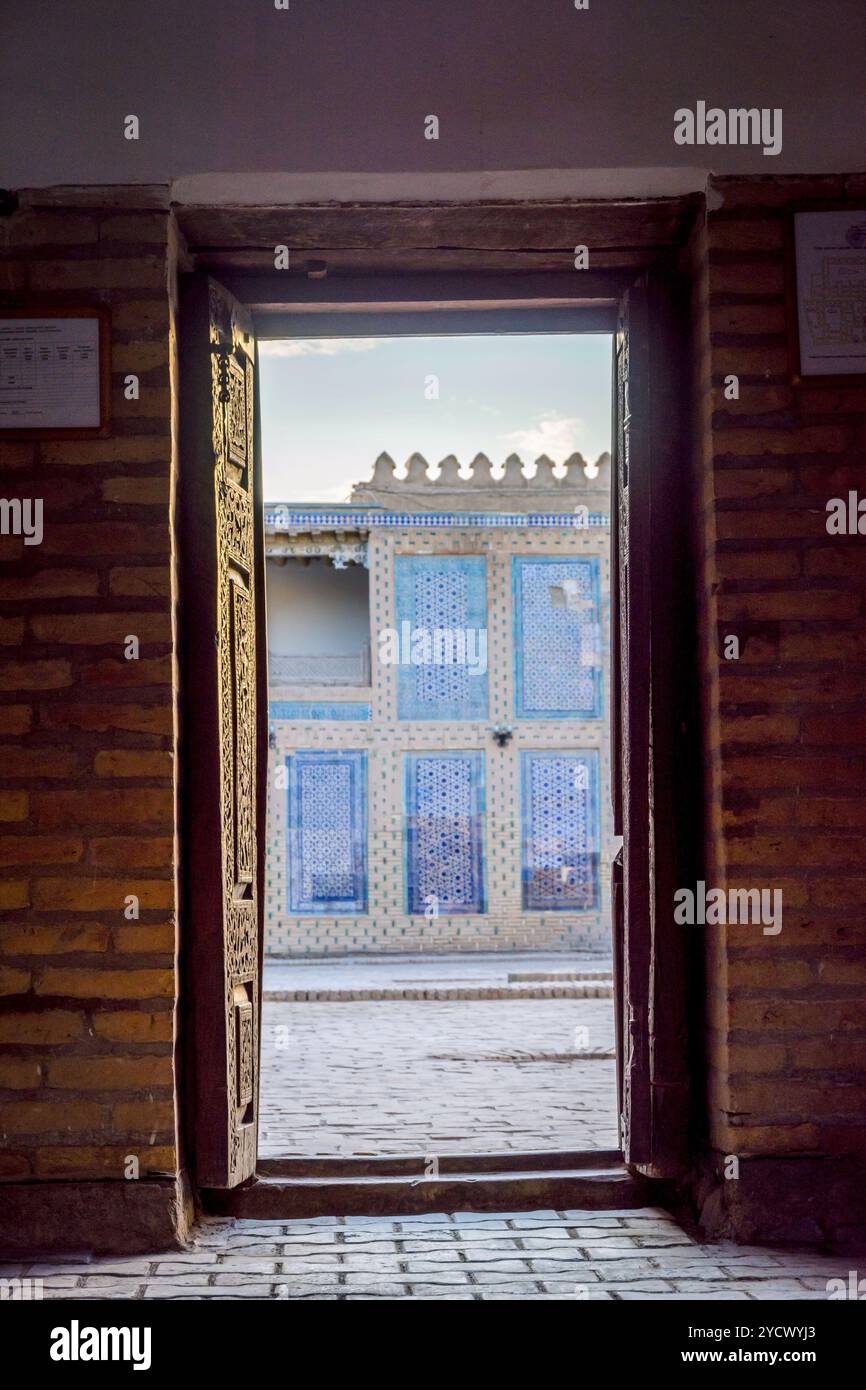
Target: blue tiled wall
326	806
444	801
560	831
450	592
557	649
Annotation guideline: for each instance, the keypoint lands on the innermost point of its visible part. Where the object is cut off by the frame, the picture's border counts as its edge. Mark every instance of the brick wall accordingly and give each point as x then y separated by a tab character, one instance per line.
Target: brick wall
785	737
87	1057
88	737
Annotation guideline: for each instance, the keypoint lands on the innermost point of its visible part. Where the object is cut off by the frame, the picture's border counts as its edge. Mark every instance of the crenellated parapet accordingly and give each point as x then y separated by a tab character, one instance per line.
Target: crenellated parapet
482	485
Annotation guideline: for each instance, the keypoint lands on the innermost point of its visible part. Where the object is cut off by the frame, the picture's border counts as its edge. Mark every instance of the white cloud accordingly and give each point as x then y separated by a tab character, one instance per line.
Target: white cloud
556	435
315	347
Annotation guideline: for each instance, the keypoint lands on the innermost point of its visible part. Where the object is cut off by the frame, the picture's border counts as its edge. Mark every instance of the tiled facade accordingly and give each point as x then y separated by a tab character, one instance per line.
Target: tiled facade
467	844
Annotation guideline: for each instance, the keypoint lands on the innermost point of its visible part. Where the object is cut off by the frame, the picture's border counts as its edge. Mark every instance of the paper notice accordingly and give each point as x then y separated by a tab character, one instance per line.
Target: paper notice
831	292
49	373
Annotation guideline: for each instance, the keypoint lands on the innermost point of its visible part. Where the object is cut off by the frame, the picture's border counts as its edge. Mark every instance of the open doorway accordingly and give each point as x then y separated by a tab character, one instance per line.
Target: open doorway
437	788
437	933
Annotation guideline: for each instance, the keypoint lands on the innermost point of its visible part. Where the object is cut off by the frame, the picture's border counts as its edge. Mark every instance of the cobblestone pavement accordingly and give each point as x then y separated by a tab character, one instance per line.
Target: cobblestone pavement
454	1076
535	1255
450	968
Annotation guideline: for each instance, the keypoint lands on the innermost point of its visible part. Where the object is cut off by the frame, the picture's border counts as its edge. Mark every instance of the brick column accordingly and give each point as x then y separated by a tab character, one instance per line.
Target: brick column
87	768
785	739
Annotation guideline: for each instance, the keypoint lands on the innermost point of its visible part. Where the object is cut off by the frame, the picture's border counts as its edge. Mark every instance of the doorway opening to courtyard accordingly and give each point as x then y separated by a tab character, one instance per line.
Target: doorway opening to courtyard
395	834
438	915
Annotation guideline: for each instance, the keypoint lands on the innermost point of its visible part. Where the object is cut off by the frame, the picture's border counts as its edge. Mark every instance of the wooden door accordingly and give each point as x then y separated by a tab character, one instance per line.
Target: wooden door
224	728
653	681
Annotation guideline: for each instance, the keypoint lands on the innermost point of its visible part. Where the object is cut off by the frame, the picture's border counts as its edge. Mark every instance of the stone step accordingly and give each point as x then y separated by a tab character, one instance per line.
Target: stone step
276	1198
591	989
608	1186
414	1165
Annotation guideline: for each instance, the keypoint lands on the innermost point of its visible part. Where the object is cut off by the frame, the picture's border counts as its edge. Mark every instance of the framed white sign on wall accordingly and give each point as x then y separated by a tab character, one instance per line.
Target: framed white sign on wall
54	372
827	294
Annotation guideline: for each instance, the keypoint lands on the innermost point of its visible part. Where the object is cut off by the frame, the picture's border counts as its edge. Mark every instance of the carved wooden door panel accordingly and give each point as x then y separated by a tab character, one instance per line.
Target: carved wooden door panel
223	733
651	749
630	708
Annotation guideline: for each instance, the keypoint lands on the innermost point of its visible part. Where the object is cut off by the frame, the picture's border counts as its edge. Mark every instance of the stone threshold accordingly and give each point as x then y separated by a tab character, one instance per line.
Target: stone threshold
530	1182
574	989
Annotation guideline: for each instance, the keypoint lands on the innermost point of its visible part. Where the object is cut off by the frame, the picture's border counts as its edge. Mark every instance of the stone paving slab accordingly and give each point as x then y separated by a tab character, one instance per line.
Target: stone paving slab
473	1259
428	1078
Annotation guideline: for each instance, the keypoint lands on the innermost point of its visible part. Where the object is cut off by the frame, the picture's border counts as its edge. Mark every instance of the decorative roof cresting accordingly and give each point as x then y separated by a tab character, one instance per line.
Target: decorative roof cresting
483	484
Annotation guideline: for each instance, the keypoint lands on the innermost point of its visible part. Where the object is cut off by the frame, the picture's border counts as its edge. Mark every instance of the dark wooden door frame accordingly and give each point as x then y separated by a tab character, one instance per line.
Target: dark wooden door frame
223	731
653	709
295	305
431	305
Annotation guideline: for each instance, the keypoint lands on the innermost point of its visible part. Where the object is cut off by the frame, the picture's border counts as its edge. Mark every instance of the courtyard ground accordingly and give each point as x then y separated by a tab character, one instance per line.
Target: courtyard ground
451	1075
570	1255
409	1075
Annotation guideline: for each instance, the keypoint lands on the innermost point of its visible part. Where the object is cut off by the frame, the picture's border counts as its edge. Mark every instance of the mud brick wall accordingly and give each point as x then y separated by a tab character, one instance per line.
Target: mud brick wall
785	737
87	737
88	1075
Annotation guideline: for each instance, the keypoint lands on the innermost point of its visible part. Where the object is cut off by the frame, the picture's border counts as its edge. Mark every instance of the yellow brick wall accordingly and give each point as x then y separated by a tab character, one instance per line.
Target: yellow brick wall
87	738
784	731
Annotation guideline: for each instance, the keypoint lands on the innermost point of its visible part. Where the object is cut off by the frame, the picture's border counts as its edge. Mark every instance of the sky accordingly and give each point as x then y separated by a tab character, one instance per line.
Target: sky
331	406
